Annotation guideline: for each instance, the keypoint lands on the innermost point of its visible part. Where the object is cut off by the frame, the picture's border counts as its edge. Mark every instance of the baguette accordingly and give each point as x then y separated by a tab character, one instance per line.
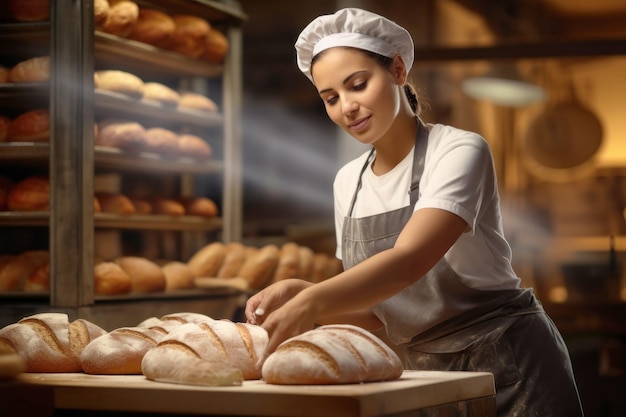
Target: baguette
237	345
49	342
119	352
332	354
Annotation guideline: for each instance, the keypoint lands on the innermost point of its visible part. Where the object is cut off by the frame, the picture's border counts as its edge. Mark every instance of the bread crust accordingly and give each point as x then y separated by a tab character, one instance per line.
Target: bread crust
31	126
207	261
146	276
32	70
288	263
30	194
178	275
233	261
111	279
120	82
259	268
121	18
153	27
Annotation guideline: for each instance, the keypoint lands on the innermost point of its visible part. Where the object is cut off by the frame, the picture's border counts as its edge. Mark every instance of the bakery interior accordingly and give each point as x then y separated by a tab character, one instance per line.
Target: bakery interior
265	181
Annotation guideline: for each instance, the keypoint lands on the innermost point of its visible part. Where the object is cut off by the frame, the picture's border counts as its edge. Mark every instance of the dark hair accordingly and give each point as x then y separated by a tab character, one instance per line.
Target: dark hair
386	62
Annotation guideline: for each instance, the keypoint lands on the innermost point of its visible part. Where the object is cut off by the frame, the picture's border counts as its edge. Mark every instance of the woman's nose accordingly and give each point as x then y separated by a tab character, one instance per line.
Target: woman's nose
349	106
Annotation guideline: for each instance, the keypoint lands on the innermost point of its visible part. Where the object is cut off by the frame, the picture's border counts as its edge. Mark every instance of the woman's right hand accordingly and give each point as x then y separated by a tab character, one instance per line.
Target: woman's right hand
260	305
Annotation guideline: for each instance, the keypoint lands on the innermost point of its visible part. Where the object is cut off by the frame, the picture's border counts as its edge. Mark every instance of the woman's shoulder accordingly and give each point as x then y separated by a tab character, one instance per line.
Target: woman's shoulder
446	135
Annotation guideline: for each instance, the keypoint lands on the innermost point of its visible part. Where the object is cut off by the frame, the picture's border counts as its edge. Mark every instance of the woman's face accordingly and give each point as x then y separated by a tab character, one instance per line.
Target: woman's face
360	95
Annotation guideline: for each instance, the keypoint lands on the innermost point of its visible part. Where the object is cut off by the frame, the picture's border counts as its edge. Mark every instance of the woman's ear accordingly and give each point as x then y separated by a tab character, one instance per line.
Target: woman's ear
398	69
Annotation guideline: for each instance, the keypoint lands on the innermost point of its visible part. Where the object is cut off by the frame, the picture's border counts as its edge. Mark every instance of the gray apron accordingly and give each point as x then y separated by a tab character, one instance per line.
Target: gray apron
445	325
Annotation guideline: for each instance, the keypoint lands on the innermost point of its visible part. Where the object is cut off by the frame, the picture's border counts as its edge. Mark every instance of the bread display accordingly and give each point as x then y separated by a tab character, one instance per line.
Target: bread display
30	194
32	70
29	10
145	276
332	354
178	276
15	270
190	35
160	93
121	134
216	47
49	342
236	345
120	82
153	27
111	279
120	351
31	126
121	17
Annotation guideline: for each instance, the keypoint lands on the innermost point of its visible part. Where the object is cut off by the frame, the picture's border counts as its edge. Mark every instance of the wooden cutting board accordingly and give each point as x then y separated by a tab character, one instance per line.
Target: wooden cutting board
415	390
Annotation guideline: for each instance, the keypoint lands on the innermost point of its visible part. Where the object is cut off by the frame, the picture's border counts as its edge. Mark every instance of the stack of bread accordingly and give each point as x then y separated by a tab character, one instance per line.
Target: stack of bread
195	349
187	35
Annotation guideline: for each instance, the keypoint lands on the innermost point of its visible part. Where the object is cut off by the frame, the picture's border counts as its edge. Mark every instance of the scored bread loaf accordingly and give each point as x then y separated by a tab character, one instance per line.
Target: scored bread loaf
332	354
239	345
49	342
120	351
170	321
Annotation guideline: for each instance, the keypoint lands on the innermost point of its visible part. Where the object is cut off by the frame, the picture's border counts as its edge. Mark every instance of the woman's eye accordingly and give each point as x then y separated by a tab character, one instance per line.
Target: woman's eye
331	100
359	86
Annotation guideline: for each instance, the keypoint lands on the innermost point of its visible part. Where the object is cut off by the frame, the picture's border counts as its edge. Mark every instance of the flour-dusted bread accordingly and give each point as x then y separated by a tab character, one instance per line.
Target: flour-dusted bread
49	342
237	345
119	352
332	354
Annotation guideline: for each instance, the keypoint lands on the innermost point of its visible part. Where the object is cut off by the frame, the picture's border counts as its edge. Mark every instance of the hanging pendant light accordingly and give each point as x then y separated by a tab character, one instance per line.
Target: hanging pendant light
504	85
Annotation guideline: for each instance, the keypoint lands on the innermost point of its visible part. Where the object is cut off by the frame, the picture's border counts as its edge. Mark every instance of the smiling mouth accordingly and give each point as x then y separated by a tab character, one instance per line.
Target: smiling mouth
359	124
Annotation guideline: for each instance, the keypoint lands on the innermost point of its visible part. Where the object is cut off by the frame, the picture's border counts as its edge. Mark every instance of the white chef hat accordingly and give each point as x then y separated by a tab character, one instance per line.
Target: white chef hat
355	28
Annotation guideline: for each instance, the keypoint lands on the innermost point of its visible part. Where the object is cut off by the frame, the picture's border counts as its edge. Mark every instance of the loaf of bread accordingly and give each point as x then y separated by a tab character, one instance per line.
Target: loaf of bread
141	206
207	261
199	206
332	354
161	93
153	27
234	259
121	17
193	146
120	351
259	267
237	345
111	279
189	35
5	124
30	194
122	134
49	342
170	321
100	13
32	70
120	82
288	262
145	276
16	269
178	276
4	74
216	47
306	256
162	141
39	280
194	101
29	10
31	126
5	186
115	203
167	206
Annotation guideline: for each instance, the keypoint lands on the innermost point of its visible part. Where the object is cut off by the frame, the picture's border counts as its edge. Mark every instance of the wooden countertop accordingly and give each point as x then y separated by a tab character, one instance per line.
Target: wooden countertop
415	390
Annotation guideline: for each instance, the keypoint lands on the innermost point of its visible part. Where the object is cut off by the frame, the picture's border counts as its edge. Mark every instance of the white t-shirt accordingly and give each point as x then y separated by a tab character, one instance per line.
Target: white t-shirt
458	177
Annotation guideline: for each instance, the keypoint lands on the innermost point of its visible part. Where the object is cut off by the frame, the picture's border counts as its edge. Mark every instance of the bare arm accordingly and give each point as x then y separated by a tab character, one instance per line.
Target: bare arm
424	240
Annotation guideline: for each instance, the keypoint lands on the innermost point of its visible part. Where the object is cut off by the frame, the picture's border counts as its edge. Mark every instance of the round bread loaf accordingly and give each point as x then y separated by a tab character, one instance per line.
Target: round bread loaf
49	342
39	280
141	206
122	134
332	354
121	17
146	276
100	13
30	194
216	47
161	93
199	206
167	206
32	70
193	146
111	279
31	126
115	203
120	351
162	141
189	35
195	101
29	10
207	261
178	275
153	27
17	269
120	82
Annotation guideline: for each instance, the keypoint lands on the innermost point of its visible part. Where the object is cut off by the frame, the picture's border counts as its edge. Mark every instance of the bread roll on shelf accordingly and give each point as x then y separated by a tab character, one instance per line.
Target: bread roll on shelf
5	186
162	141
111	279
199	206
193	146
29	10
30	194
100	13
4	74
207	261
115	203
31	126
32	70
146	276
122	82
5	123
167	206
178	276
259	267
122	134
153	27
121	17
216	47
198	102
190	35
233	260
160	93
288	263
39	280
16	269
